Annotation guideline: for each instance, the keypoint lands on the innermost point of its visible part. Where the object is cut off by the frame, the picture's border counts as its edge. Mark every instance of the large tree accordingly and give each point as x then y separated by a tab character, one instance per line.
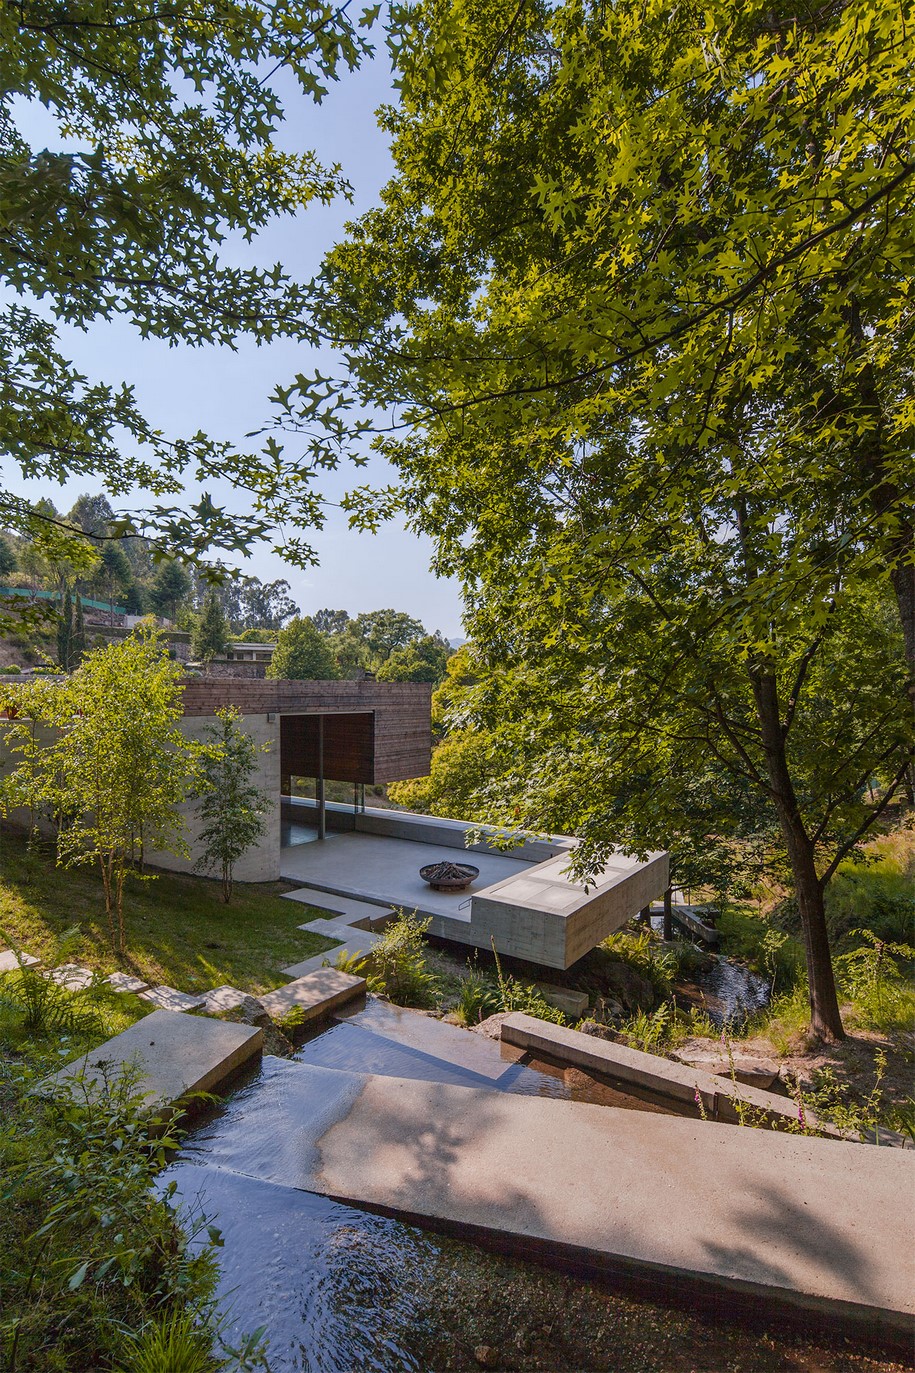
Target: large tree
641	292
167	120
302	653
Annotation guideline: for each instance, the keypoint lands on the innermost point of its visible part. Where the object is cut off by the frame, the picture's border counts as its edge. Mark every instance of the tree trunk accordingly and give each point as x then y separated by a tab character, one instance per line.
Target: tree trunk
825	1019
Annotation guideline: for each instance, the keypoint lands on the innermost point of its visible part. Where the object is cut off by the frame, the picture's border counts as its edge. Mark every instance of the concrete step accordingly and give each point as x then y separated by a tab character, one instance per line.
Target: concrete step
223	998
176	1055
124	982
317	994
343	909
72	976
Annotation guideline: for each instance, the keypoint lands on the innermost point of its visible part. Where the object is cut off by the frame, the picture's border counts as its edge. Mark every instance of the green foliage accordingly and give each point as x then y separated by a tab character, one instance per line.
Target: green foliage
877	897
523	996
7	557
87	1251
478	997
302	653
167	130
174	1343
353	963
42	1006
231	809
399	968
384	631
671	466
331	621
111	761
210	636
877	975
169	589
648	954
650	1031
421	660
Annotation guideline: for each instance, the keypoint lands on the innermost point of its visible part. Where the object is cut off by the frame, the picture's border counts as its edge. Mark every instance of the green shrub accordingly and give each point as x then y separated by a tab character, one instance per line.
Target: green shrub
172	1344
872	975
478	997
645	952
523	997
11	669
650	1031
42	1006
353	963
87	1251
874	898
399	962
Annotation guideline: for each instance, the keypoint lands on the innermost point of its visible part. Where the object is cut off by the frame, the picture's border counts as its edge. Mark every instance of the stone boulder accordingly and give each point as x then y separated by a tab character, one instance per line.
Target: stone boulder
630	987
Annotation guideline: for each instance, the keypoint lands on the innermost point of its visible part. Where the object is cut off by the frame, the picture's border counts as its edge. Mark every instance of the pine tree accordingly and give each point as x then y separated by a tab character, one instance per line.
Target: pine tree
65	632
78	640
210	634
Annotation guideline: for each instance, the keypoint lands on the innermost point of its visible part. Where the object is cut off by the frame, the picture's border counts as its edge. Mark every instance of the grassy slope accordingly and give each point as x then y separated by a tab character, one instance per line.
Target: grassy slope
179	931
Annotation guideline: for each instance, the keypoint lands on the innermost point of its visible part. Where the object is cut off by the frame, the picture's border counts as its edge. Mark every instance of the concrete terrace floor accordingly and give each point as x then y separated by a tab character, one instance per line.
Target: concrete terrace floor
385	871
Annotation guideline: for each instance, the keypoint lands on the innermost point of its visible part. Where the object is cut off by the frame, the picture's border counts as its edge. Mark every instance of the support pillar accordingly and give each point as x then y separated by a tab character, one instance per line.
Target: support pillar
668	914
319	782
645	916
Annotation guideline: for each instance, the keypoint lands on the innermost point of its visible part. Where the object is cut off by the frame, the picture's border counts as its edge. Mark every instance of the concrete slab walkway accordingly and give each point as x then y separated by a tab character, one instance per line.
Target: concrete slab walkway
815	1224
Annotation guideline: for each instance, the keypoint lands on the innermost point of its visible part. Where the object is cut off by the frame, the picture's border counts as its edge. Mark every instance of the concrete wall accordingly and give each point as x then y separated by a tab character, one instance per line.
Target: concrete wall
262	862
423	829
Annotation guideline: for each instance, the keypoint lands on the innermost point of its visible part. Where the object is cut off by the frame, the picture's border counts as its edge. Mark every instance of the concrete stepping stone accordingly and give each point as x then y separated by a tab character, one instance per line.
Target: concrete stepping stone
344	910
9	962
362	944
72	976
176	1055
314	995
170	999
125	982
223	998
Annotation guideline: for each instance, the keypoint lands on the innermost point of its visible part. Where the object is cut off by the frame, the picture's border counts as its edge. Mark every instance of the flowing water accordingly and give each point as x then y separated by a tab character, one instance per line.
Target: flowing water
732	993
339	1289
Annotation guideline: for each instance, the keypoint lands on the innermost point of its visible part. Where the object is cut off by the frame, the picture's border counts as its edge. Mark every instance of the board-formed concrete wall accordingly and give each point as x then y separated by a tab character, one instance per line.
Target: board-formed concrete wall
261	863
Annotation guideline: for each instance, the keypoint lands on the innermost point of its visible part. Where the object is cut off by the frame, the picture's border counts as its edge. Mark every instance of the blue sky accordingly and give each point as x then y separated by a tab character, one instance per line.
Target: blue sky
226	392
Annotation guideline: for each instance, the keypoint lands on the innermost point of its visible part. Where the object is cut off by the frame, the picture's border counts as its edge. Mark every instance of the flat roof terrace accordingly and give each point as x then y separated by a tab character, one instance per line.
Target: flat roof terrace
524	902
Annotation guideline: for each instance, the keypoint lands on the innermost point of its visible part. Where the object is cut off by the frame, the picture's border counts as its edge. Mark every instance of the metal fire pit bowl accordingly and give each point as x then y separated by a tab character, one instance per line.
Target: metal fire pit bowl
449	876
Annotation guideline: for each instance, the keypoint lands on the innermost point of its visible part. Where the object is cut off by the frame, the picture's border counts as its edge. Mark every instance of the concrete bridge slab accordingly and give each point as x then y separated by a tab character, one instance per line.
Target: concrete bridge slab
816	1224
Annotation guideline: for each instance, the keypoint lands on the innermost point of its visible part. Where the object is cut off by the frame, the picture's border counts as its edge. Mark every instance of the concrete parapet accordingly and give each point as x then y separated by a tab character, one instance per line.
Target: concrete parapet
682	1087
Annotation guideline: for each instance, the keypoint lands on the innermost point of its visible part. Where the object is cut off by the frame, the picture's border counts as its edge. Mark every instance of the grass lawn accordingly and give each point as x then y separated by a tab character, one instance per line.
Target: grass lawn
179	930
